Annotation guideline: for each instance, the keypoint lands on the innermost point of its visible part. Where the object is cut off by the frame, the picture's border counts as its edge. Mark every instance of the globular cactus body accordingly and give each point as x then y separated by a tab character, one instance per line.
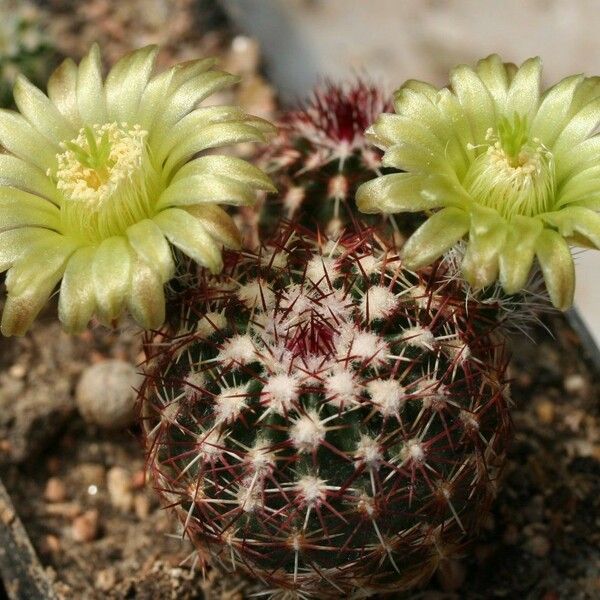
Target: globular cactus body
326	420
320	158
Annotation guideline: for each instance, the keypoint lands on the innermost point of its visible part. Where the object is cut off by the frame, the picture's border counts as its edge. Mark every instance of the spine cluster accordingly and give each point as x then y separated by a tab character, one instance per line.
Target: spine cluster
320	158
325	419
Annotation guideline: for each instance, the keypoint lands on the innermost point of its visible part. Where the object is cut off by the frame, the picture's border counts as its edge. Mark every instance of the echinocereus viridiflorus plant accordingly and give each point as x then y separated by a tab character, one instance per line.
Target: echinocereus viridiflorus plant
100	178
325	419
321	156
494	159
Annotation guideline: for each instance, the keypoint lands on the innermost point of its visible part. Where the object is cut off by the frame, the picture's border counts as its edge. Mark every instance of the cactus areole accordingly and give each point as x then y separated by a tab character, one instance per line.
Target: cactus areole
326	420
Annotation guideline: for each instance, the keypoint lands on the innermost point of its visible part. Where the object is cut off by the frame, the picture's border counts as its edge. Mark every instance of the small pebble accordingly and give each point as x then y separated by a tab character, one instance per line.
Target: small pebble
545	411
106	580
106	396
538	545
55	490
18	371
118	482
51	544
575	384
86	527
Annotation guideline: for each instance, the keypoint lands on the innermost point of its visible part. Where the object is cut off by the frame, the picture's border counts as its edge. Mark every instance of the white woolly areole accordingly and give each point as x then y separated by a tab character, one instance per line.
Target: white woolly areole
307	432
434	394
229	403
419	337
249	498
338	187
368	452
273	258
239	349
280	392
210	444
260	459
387	395
321	269
211	323
366	345
342	388
312	490
368	265
194	381
297	301
413	450
256	294
378	302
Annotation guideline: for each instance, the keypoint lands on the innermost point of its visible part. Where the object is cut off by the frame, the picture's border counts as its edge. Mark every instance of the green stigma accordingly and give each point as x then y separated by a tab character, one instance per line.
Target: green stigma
513	135
514	174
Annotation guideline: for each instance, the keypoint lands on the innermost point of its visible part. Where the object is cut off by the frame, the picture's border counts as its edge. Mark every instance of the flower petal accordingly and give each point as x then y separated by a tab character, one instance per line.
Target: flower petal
434	237
552	115
31	280
17	173
518	252
21	139
188	95
405	192
19	209
579	128
126	83
487	235
218	224
165	83
523	95
228	166
37	108
557	266
199	189
407	156
475	99
576	222
150	245
90	89
146	297
111	274
188	234
212	136
62	91
194	121
77	300
14	243
492	72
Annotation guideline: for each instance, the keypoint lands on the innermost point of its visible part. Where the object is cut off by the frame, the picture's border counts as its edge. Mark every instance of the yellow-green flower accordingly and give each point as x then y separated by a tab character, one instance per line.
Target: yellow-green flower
99	179
515	170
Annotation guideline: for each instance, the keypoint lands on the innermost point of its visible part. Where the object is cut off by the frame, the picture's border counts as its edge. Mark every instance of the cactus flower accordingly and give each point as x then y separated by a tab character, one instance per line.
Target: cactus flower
513	170
100	179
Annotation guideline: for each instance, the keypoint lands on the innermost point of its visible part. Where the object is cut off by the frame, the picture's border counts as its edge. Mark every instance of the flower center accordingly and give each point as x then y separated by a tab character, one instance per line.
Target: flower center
107	180
515	175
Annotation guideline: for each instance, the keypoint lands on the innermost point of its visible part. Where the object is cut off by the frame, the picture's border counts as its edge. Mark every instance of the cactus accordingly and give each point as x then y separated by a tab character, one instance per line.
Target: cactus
324	419
320	158
24	46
